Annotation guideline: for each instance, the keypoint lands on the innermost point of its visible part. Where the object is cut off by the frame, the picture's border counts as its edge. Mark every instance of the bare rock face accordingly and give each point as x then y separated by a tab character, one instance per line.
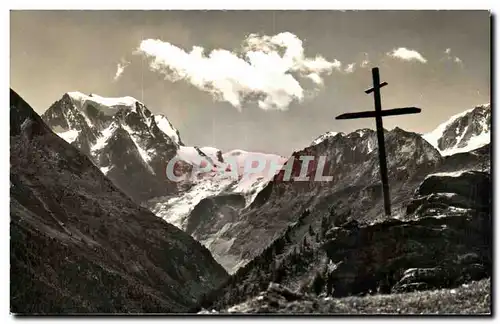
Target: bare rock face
80	245
472	184
376	258
452	193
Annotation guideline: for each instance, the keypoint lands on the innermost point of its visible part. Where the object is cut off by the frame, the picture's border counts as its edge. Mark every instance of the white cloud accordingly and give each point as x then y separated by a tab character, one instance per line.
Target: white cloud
268	70
365	63
453	58
120	67
315	77
350	68
405	54
366	60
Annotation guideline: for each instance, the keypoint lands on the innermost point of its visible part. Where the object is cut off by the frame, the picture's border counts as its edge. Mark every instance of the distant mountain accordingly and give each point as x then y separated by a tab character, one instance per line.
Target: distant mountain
463	132
78	244
324	137
122	137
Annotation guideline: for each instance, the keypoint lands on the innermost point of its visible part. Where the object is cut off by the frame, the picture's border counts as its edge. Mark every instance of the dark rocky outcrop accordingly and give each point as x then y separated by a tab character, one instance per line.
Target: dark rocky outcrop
467	184
447	242
478	159
200	220
452	193
374	258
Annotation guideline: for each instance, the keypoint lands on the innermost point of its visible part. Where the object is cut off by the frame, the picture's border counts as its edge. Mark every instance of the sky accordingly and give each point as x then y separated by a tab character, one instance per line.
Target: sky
268	81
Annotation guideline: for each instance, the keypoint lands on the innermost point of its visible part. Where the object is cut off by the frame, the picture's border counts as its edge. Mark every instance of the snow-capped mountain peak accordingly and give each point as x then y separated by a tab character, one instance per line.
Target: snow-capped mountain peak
121	136
463	132
107	105
166	127
324	137
95	114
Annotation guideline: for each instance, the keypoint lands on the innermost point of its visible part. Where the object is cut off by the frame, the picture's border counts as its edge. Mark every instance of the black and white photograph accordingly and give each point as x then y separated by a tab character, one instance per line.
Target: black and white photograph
213	163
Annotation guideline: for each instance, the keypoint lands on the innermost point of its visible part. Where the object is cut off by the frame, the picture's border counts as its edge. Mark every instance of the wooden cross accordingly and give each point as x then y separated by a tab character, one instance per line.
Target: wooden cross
378	114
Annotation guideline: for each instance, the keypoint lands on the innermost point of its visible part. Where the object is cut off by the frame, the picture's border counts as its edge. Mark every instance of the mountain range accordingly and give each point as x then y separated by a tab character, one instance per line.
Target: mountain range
261	229
132	147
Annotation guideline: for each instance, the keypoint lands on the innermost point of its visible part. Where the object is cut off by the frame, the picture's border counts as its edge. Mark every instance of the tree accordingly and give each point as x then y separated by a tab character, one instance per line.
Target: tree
302	216
324	226
311	230
318	283
287	235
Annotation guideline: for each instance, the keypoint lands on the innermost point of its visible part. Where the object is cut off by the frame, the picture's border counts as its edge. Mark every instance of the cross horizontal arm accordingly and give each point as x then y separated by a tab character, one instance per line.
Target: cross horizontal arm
383	84
387	112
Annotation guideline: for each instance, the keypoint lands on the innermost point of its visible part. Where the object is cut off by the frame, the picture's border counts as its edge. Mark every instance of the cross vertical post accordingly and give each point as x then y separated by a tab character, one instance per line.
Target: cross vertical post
378	114
381	141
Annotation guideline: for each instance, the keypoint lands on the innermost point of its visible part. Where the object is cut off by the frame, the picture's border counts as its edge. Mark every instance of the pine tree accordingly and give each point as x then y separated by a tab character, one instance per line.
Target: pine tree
287	236
318	284
324	226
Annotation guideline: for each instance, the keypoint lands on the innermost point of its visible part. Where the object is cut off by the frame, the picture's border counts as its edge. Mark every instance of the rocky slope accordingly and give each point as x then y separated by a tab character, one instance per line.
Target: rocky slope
444	240
468	299
352	162
78	244
325	237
